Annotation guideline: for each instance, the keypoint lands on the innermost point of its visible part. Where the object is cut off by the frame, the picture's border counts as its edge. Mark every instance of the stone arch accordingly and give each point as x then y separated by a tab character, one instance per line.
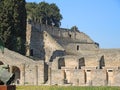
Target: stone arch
16	71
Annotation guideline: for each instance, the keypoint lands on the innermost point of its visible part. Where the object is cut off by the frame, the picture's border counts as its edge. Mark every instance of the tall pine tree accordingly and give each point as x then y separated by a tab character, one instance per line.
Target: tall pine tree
13	24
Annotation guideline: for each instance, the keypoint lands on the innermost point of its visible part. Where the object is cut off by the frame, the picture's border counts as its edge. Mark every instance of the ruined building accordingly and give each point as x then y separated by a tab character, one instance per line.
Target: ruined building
57	56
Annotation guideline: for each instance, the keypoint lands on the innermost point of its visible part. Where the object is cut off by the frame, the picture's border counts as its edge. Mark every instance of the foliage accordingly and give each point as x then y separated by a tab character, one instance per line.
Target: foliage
74	28
13	24
44	13
66	88
30	8
1	45
5	19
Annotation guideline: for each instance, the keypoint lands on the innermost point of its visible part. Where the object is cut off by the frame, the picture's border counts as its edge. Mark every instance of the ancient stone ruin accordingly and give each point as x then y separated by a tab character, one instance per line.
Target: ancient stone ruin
58	56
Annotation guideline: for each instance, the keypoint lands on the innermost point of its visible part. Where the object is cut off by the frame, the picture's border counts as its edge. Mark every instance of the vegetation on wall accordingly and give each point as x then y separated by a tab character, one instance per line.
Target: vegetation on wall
74	28
13	24
44	13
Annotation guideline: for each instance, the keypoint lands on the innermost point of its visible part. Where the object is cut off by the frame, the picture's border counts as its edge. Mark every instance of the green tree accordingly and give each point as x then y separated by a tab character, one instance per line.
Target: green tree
44	13
74	28
31	7
55	15
6	23
13	24
1	45
19	26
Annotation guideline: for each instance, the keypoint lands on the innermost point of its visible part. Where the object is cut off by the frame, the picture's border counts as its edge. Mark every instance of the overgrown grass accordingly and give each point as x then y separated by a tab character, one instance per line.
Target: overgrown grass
65	88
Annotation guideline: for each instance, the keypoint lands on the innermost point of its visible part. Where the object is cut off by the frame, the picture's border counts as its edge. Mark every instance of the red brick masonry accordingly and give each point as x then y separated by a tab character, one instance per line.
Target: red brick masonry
7	87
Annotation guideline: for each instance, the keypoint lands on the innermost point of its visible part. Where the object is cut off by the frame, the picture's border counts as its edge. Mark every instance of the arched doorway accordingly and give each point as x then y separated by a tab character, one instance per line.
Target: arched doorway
16	71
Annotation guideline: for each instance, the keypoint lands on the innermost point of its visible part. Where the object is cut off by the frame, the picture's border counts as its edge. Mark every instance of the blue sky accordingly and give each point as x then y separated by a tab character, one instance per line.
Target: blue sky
100	19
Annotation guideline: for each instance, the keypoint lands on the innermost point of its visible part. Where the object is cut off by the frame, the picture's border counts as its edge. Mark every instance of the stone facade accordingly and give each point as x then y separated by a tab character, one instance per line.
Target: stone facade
58	56
27	71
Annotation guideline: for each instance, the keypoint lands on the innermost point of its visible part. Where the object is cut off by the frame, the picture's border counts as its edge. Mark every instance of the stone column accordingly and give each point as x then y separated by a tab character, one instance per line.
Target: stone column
40	74
27	50
110	77
36	75
10	69
49	76
68	76
22	74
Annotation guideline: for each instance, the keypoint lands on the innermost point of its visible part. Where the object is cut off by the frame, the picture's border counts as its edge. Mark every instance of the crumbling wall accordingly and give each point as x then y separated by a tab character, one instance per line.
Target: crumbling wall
32	74
50	43
37	45
116	79
99	77
78	77
29	76
41	72
57	77
66	33
28	38
52	48
74	42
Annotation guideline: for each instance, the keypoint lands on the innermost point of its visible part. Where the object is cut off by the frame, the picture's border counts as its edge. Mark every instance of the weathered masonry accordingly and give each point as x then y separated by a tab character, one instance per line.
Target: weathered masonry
58	56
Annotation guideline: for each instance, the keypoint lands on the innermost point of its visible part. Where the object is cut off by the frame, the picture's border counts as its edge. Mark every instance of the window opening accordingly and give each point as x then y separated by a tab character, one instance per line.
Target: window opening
78	47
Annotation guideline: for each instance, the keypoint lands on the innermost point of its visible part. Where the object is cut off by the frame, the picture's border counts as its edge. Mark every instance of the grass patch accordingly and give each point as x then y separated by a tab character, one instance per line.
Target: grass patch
65	88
